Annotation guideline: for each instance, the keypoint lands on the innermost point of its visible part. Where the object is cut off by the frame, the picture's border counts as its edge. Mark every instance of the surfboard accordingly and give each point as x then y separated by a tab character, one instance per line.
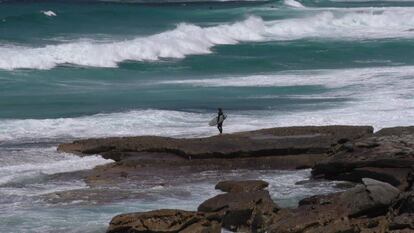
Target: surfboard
214	122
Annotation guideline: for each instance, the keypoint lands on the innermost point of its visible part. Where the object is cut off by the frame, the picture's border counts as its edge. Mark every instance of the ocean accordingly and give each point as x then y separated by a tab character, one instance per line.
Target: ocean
79	69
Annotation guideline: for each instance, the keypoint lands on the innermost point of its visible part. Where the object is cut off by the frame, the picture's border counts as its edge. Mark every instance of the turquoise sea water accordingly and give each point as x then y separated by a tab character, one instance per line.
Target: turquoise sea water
95	58
76	69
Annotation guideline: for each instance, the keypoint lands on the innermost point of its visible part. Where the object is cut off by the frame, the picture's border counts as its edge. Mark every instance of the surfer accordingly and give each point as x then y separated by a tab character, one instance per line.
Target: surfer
220	120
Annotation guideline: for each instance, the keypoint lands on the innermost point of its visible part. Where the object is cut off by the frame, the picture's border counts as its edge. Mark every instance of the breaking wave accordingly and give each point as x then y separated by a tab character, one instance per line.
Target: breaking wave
189	39
293	3
384	77
50	162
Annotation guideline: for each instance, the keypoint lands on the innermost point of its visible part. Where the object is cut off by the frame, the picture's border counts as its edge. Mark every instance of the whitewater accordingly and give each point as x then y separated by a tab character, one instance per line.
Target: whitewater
380	96
189	39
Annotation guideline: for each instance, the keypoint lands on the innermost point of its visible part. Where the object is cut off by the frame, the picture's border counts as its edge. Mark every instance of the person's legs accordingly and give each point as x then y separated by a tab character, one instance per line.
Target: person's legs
220	127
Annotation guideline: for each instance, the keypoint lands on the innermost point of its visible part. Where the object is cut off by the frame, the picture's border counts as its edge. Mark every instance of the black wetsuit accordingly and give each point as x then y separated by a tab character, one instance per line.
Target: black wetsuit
220	124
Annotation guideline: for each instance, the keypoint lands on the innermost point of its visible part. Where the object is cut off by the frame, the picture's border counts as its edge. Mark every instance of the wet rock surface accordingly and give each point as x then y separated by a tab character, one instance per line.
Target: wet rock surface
266	142
246	210
372	206
275	148
136	168
235	186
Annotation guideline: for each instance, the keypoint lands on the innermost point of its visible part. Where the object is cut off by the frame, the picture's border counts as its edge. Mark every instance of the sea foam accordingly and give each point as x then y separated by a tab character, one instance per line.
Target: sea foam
189	39
336	78
380	96
49	13
293	3
52	163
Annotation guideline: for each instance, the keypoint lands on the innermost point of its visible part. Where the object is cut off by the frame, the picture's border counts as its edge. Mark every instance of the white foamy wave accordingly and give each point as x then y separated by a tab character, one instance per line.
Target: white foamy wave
380	96
293	3
57	163
49	13
188	39
185	40
369	77
132	123
380	108
140	122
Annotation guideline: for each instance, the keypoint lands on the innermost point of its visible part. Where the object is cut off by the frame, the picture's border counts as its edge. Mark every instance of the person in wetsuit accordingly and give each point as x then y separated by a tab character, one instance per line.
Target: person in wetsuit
220	119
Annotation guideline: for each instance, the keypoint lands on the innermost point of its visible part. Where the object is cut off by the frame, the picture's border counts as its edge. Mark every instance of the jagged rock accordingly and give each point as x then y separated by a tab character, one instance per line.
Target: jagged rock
360	209
387	156
232	186
242	211
370	207
247	211
379	162
403	221
396	177
401	216
405	204
165	221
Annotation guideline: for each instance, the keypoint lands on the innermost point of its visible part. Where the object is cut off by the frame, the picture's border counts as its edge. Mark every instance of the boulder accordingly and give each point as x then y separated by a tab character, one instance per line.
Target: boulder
163	221
232	186
371	199
240	200
241	211
381	193
359	209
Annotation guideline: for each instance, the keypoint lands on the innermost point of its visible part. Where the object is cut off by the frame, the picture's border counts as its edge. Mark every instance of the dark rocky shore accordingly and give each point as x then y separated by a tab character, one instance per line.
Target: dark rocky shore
381	164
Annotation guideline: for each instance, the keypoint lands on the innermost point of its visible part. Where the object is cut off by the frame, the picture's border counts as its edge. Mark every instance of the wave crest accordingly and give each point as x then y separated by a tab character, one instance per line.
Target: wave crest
189	39
186	39
293	3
